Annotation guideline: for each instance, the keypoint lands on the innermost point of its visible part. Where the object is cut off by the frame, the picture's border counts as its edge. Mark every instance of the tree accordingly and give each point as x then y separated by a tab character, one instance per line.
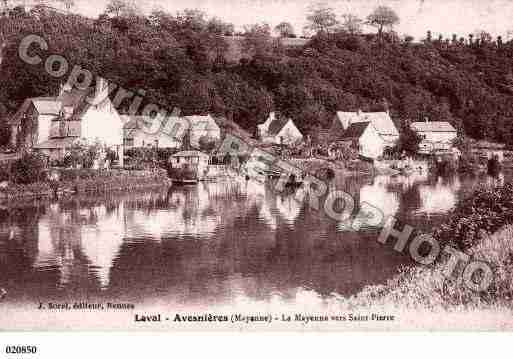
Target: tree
5	132
285	29
382	17
121	8
68	4
351	24
257	39
220	27
207	144
320	18
409	141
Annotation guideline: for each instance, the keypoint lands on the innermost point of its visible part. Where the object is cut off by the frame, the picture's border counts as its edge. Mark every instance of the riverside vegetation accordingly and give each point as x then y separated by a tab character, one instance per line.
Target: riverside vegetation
185	60
482	227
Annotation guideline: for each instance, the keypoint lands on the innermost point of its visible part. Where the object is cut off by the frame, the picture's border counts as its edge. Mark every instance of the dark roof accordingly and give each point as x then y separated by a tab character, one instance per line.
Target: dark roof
276	126
355	130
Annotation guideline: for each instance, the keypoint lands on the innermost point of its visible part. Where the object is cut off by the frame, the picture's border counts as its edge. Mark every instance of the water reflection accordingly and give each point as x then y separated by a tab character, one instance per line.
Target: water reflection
212	242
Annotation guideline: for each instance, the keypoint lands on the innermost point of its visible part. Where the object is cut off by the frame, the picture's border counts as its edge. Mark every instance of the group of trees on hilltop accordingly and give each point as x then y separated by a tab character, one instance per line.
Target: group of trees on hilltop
182	60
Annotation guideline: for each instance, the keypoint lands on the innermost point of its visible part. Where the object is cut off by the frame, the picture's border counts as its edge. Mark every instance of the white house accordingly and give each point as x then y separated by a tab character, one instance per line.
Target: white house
366	137
279	130
436	136
202	126
140	131
52	125
381	121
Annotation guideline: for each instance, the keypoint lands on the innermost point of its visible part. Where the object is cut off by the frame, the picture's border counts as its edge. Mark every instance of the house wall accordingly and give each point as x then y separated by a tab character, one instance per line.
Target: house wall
200	130
44	123
371	143
436	141
290	134
104	126
143	139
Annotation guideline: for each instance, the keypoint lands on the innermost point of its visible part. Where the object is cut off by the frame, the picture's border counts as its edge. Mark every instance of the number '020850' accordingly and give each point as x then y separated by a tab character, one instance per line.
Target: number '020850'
20	349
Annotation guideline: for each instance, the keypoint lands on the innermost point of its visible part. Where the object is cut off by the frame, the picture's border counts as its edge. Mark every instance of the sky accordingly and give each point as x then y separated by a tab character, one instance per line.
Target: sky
417	16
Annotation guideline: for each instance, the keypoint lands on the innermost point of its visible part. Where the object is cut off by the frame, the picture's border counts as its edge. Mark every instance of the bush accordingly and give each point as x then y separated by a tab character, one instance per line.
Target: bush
28	169
182	173
485	212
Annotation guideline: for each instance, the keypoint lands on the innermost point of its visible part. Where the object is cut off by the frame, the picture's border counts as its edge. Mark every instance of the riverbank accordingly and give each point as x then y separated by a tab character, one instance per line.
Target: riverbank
86	181
482	227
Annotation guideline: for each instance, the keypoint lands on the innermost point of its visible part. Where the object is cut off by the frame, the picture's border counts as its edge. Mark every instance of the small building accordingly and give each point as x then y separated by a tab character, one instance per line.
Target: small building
202	126
437	137
381	121
366	138
195	161
139	132
280	131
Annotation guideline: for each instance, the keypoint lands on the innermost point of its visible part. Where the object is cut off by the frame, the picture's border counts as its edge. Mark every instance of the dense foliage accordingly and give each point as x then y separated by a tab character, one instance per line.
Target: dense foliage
184	61
481	214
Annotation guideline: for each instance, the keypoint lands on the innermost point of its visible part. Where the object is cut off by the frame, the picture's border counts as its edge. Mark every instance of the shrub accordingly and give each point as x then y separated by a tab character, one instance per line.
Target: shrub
28	169
485	212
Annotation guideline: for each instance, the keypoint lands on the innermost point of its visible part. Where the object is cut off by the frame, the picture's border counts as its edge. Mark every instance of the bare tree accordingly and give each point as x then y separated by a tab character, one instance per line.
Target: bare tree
320	18
68	4
382	17
120	8
285	29
351	24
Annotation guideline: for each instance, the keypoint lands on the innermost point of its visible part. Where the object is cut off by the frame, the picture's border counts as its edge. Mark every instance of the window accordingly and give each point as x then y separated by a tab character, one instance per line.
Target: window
128	142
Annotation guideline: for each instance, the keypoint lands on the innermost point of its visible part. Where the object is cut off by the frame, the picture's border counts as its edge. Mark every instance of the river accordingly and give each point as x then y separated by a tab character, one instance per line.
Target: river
211	244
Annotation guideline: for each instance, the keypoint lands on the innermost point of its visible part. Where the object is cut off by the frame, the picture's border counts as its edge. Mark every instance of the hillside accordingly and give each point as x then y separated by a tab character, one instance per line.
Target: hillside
198	70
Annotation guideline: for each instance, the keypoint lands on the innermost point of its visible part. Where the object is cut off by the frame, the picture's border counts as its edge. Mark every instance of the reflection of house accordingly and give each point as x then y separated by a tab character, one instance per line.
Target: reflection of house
379	195
365	136
279	130
436	136
440	197
81	240
381	121
53	124
140	131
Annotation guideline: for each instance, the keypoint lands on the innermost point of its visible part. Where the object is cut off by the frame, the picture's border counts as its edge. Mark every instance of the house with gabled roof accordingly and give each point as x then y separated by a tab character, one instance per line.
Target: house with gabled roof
437	136
202	126
381	121
279	130
52	125
366	138
140	131
143	131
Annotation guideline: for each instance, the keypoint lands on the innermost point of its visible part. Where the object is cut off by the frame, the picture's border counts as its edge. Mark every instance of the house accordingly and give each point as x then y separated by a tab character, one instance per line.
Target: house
437	137
52	125
138	132
279	130
381	121
197	161
488	150
366	138
202	126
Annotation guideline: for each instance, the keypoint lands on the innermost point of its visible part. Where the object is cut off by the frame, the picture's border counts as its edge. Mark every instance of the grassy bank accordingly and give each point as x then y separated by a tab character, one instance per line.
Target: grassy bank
423	288
482	227
86	181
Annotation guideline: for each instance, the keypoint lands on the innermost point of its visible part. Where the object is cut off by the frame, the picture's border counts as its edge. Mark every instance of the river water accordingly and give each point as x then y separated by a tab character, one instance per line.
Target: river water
212	243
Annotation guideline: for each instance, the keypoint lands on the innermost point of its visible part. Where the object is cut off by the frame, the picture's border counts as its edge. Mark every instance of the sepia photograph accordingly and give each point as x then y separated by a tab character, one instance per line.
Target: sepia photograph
255	166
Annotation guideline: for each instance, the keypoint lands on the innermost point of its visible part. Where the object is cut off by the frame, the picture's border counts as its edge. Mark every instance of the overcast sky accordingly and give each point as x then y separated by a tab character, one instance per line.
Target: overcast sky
417	16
